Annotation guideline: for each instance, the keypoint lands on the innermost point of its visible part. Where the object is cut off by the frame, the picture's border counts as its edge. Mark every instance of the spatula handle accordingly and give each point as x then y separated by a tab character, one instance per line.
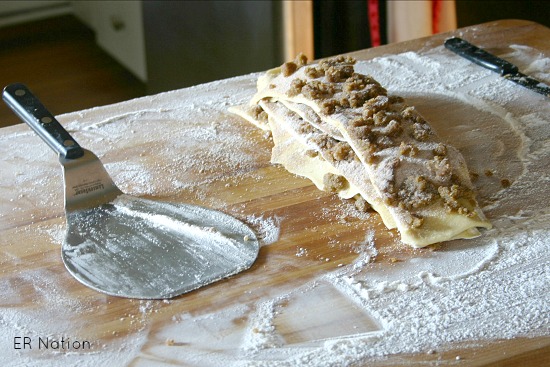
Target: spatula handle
479	56
29	109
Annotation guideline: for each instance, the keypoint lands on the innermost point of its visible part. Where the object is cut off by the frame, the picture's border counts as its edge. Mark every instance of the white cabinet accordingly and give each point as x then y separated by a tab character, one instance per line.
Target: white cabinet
119	30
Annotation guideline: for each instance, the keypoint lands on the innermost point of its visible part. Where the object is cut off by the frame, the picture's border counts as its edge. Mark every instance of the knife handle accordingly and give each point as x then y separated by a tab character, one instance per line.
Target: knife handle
479	56
30	110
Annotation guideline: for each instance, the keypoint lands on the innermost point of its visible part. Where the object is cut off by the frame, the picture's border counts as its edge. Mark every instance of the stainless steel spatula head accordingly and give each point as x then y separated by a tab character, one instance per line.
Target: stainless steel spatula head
128	246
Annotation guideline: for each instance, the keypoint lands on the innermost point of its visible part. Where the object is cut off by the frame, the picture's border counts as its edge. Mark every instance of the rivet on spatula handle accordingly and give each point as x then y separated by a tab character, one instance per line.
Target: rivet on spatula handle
29	109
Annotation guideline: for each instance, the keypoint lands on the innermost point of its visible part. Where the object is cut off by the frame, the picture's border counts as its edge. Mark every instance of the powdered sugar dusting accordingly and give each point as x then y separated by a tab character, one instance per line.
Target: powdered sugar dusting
493	287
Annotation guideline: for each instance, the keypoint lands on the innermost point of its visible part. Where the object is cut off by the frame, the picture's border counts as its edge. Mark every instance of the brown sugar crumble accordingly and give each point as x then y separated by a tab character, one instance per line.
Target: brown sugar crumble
289	68
342	151
316	90
311	153
314	72
381	128
408	149
329	106
453	195
259	114
334	183
301	60
338	73
416	192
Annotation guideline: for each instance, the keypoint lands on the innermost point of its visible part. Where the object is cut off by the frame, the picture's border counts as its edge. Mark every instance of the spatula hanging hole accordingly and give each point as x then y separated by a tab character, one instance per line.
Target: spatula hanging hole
68	143
20	92
46	120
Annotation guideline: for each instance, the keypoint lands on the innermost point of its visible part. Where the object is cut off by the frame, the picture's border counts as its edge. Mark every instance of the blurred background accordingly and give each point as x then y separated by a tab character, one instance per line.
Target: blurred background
81	54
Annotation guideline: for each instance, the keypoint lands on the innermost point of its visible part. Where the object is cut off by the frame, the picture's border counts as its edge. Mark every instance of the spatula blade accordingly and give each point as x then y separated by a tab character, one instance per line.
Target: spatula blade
146	249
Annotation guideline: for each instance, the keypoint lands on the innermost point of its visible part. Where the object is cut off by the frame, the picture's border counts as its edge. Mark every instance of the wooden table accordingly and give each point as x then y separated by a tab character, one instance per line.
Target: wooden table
38	297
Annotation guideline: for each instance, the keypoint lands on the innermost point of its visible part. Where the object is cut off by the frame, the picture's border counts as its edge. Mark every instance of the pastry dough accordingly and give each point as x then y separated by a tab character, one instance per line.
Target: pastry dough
344	132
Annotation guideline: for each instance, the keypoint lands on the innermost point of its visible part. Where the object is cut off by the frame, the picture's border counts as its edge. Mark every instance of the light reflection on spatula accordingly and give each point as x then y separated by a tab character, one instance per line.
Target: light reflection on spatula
128	246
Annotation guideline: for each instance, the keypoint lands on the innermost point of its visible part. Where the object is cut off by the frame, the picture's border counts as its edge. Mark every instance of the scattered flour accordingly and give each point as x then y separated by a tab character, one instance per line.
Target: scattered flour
267	229
490	288
493	287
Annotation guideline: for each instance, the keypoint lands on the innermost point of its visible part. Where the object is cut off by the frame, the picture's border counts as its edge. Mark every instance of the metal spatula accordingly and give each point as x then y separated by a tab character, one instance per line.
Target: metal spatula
128	246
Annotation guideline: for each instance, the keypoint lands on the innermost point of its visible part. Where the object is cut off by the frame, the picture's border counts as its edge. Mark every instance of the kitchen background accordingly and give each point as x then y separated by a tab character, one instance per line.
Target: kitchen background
81	54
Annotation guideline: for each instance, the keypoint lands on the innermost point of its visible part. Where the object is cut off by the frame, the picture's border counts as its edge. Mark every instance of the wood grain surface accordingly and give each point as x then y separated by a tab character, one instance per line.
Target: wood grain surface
35	283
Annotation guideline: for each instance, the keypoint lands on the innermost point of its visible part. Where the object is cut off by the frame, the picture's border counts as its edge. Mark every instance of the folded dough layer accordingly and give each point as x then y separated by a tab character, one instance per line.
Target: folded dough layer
328	121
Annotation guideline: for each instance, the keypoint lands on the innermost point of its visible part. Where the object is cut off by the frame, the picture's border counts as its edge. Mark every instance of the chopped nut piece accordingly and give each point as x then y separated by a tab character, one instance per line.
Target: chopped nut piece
363	133
344	101
336	61
362	121
358	98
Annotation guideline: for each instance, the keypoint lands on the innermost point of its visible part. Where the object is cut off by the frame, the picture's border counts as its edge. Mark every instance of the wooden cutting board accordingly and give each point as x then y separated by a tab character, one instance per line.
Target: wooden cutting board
306	234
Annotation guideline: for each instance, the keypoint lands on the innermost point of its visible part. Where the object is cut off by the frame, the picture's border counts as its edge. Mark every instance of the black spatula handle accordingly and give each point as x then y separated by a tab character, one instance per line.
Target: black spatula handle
479	56
29	109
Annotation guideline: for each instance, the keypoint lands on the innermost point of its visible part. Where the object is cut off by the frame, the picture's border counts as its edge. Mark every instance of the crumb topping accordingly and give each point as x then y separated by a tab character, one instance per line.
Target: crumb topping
296	87
334	183
416	192
385	133
289	68
316	90
259	114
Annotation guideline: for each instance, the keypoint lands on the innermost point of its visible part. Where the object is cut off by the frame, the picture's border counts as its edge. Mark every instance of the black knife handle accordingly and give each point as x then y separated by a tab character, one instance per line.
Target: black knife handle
30	110
479	56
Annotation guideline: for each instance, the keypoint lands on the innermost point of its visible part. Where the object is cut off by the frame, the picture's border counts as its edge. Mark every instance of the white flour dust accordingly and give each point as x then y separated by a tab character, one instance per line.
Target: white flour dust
496	286
490	288
493	287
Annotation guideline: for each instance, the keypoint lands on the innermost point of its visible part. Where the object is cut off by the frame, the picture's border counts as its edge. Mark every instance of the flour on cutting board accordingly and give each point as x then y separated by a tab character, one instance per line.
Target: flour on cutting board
493	287
489	288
